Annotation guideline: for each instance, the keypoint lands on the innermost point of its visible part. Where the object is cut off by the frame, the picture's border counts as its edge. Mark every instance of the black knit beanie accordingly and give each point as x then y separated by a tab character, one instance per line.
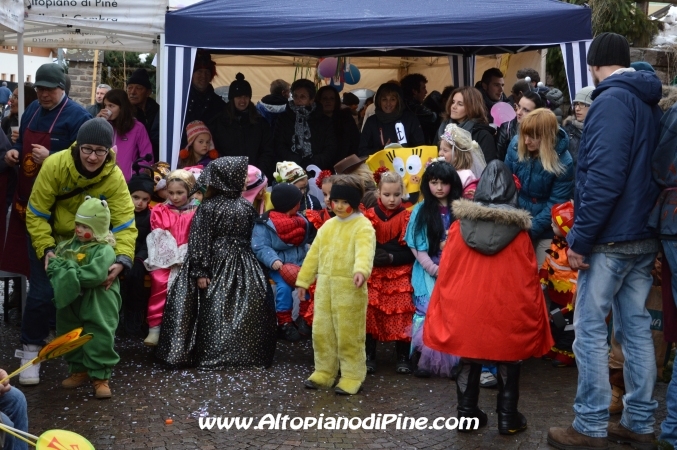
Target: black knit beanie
239	87
285	197
141	182
96	132
140	76
609	49
348	193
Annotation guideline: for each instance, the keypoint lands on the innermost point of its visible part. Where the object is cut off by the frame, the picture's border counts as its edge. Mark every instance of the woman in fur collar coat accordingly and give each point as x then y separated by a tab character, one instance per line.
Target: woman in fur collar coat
474	316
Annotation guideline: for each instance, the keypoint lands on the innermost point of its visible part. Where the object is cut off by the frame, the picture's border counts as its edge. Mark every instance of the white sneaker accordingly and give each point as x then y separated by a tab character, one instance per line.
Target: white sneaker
30	376
488	380
153	336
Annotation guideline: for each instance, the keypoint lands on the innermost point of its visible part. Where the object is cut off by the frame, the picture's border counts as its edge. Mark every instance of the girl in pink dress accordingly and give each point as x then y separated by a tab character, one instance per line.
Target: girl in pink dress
167	245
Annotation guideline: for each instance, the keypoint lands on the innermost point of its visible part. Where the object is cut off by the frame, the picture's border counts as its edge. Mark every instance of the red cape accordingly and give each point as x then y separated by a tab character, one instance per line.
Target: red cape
488	307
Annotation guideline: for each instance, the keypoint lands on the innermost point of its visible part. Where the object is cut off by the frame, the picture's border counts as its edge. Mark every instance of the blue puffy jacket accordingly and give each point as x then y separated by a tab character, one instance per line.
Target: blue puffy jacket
268	247
614	188
541	190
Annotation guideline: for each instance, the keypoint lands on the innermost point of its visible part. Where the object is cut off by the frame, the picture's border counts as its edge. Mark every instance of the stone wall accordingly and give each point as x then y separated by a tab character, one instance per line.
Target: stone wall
81	72
664	61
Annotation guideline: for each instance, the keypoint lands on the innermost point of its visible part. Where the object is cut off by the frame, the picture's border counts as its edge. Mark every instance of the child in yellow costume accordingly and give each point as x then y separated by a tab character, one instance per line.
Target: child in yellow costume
341	256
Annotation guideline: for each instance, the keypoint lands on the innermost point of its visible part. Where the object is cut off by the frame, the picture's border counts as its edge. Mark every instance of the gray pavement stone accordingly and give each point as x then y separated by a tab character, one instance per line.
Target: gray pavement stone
146	393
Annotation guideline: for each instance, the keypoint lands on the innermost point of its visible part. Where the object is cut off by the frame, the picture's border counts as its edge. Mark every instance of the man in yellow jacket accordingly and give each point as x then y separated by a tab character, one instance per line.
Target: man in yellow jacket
87	168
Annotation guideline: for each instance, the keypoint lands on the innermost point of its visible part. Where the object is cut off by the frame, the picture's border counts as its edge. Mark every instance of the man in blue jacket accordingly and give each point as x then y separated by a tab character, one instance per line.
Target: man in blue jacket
614	249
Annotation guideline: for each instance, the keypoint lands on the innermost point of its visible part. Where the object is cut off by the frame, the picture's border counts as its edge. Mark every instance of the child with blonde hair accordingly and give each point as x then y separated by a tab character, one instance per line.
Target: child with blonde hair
390	307
167	244
341	259
458	149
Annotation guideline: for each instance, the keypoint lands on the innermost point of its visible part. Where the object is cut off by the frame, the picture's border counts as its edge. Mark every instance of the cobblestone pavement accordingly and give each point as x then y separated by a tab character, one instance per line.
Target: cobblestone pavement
146	394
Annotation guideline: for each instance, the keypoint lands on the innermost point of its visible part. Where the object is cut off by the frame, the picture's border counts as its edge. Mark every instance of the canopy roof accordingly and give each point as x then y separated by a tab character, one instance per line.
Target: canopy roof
377	27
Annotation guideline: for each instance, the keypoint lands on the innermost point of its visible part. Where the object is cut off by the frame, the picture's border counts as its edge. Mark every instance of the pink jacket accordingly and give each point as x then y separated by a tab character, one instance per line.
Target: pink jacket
132	146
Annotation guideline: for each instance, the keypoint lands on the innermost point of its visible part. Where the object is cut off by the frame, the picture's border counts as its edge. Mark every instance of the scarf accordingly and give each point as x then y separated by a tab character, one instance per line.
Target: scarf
384	212
301	139
290	229
389	117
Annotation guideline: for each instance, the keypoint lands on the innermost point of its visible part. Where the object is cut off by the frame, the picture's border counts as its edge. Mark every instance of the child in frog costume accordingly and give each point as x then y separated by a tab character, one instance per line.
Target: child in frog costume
77	273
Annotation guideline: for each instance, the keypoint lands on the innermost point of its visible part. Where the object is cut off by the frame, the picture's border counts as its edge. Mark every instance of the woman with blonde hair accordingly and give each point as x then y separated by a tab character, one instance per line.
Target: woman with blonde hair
539	157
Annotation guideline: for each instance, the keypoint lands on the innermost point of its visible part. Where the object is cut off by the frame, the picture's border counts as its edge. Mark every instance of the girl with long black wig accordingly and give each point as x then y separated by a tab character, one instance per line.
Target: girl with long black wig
426	236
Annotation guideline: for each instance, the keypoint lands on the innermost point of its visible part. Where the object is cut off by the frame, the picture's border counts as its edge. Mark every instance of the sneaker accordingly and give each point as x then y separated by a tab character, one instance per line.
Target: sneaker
488	380
153	337
30	376
422	373
289	332
570	439
402	366
616	406
563	359
101	389
618	433
75	380
303	327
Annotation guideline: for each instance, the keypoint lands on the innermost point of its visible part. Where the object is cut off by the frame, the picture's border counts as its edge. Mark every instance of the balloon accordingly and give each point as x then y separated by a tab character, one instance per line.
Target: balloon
327	68
502	112
352	75
338	87
62	439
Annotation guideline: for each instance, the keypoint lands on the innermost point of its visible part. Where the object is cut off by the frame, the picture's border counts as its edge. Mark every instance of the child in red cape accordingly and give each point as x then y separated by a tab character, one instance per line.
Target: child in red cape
479	316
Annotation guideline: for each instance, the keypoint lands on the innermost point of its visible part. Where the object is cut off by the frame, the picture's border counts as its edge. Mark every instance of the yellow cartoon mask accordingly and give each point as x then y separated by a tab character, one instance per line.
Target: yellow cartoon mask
409	163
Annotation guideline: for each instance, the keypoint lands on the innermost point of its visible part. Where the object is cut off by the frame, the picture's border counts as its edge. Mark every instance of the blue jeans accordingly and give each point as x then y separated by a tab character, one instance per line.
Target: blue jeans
14	414
669	425
283	293
40	311
620	283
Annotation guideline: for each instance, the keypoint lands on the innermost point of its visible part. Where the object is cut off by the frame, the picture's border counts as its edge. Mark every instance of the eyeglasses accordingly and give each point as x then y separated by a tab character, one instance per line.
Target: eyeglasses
39	89
579	104
14	97
96	151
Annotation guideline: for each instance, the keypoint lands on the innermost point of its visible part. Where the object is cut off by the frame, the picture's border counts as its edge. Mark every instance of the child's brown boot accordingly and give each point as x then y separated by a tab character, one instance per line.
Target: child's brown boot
75	380
101	389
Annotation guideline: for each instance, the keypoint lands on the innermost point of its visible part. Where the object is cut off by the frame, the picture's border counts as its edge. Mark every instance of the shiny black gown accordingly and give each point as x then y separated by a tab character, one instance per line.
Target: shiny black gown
232	323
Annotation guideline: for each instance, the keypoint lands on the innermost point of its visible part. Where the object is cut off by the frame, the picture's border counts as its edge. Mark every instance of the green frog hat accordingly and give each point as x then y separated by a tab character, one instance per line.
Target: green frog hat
95	214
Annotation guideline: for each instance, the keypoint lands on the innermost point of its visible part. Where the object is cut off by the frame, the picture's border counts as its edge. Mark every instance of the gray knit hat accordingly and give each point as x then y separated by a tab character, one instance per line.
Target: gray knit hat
96	132
609	49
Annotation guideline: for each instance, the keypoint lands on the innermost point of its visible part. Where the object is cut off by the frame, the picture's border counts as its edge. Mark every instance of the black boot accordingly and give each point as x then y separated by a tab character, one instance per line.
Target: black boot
402	350
468	392
370	347
510	421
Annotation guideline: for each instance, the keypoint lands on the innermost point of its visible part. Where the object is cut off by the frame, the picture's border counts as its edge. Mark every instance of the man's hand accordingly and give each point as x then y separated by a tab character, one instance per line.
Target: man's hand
12	157
48	256
301	292
358	280
39	153
203	282
113	272
277	265
4	387
576	261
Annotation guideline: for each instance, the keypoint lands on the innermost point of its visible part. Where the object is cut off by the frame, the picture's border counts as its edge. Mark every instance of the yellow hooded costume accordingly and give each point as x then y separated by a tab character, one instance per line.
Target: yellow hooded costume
342	248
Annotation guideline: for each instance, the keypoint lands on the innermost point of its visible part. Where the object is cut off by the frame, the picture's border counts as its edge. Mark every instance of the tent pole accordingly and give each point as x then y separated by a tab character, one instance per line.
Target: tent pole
162	94
544	54
20	89
96	66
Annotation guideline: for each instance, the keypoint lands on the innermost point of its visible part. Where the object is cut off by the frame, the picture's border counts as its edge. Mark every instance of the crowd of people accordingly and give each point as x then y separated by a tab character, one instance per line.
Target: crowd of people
214	262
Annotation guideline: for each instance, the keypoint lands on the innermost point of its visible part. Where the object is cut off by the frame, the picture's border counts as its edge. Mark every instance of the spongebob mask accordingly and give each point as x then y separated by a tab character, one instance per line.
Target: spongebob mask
409	163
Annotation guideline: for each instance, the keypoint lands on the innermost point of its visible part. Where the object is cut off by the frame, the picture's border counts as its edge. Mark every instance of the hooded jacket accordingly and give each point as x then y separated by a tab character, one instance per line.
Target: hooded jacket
614	188
509	319
541	190
59	176
268	247
504	135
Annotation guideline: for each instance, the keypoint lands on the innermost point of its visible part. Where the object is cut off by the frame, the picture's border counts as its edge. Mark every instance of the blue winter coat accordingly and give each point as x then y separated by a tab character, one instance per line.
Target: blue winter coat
664	164
541	190
268	247
615	191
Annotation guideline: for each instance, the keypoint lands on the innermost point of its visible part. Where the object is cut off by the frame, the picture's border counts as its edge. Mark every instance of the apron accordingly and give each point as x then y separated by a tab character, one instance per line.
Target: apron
15	255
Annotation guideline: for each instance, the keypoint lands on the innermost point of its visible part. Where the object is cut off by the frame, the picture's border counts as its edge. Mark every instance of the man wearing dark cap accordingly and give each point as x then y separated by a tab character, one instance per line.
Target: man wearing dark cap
614	250
139	90
203	103
47	126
